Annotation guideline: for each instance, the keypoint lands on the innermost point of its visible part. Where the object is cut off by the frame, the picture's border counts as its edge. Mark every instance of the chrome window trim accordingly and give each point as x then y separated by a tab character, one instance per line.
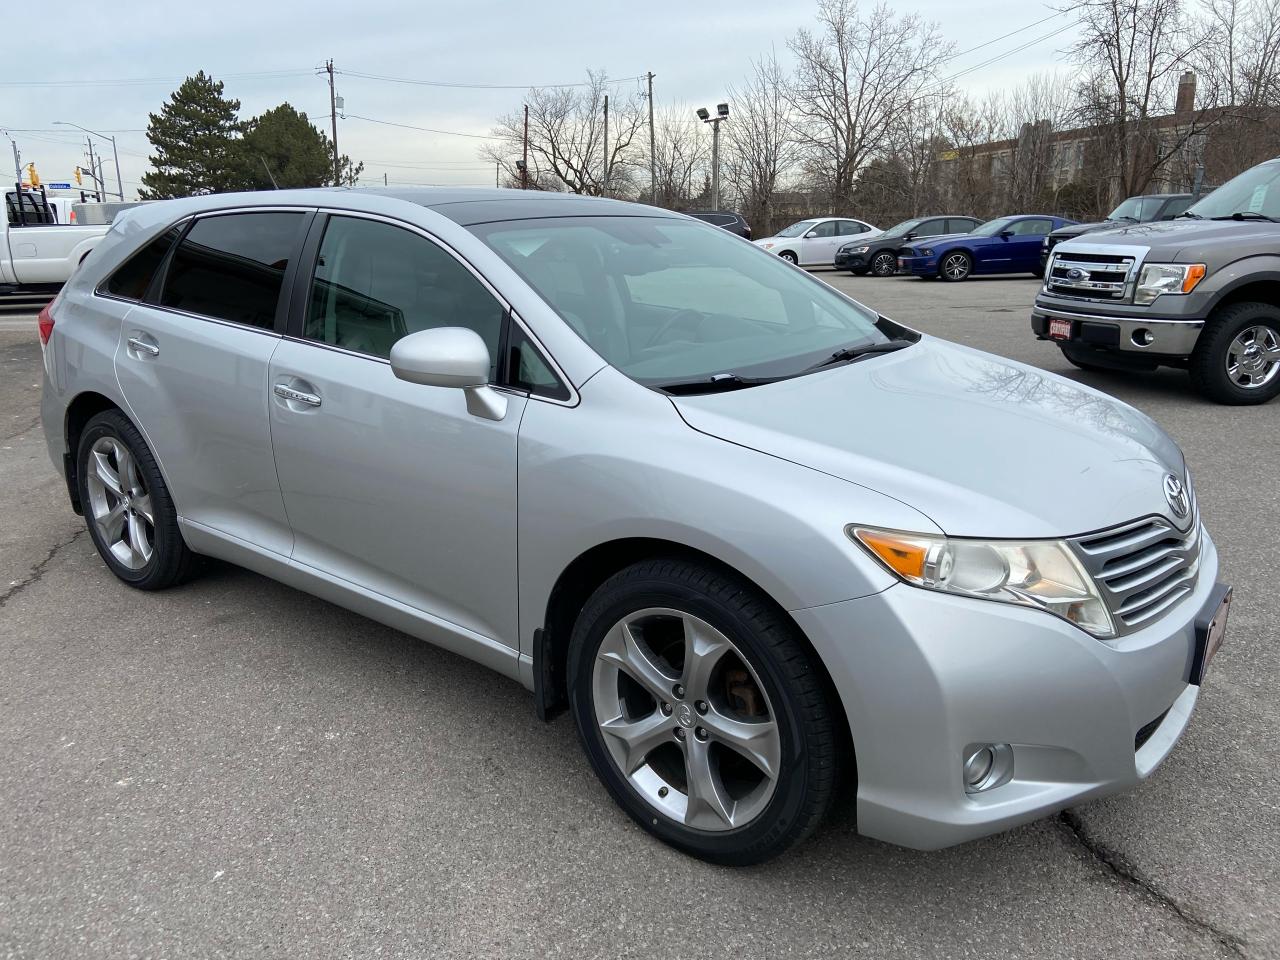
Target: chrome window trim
506	304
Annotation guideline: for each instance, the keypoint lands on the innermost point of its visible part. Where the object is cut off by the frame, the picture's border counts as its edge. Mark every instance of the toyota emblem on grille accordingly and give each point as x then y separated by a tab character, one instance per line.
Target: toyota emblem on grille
1176	494
1075	273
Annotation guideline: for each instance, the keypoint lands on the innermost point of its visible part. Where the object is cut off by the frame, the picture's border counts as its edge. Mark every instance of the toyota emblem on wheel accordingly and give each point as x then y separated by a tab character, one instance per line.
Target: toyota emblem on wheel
684	715
1176	494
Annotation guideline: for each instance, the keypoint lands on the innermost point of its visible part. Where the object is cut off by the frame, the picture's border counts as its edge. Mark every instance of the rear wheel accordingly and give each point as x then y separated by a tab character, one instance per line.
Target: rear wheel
955	266
131	517
702	712
884	264
1237	358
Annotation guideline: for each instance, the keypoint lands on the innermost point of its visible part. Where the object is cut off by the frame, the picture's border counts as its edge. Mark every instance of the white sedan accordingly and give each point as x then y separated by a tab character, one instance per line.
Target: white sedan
814	242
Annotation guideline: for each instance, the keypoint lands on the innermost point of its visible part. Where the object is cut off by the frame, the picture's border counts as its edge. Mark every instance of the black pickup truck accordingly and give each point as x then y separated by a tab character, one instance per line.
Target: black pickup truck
1201	292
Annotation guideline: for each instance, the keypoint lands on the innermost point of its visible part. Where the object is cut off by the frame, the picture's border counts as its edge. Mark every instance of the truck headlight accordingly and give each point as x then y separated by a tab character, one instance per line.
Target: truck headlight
1034	573
1158	278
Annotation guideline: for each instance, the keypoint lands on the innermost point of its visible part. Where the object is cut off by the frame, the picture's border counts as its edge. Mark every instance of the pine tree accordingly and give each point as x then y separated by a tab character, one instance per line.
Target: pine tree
195	138
282	145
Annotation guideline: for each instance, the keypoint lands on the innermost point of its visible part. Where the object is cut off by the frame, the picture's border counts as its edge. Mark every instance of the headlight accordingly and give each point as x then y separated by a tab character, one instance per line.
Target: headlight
862	249
1033	573
1158	278
925	251
768	246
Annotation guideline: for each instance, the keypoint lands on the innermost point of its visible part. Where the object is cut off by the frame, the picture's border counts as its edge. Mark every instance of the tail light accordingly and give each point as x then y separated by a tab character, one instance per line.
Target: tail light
45	321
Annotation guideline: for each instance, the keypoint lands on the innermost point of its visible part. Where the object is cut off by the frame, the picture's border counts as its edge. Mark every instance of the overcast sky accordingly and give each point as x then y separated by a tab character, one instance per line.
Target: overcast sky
83	54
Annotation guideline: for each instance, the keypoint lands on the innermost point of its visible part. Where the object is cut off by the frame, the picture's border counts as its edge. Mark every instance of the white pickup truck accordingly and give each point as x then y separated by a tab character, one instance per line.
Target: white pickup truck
37	253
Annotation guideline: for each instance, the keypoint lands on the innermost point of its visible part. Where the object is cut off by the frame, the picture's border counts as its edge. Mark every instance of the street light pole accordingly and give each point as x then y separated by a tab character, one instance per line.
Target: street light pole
722	114
115	154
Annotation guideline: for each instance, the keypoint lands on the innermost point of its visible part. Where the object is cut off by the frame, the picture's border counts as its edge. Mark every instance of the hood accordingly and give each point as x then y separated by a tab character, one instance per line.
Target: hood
983	446
1189	240
1076	229
929	241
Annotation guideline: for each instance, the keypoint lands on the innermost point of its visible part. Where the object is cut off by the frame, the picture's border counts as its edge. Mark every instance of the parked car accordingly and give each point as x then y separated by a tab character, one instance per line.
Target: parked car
1144	209
879	256
1003	245
37	254
733	222
813	243
607	452
1198	293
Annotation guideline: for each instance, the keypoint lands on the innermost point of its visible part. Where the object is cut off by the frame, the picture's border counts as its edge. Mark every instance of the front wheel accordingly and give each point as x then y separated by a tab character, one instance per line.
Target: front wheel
702	712
131	517
1237	358
955	266
788	256
884	264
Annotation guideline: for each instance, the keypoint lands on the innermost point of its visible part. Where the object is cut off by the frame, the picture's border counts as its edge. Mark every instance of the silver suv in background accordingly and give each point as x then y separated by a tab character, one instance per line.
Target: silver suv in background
760	541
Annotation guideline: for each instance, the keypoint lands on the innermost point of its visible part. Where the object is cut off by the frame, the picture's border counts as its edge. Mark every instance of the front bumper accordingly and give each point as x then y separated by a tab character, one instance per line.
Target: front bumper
920	266
850	261
1168	336
924	675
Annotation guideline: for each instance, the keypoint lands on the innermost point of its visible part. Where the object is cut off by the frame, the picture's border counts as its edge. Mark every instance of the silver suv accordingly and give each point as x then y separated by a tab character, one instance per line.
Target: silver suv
756	538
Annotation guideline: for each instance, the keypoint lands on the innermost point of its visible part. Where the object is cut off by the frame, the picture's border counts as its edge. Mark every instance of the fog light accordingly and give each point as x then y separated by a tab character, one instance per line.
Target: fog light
986	766
978	766
1142	337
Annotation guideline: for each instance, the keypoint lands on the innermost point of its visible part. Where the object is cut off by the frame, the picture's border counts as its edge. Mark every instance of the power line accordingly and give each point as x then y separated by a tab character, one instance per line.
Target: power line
1007	53
409	126
1011	33
143	81
481	86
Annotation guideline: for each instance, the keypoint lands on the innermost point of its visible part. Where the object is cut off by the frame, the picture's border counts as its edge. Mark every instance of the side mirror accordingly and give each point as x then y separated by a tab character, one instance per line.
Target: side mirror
909	236
1006	234
811	234
450	357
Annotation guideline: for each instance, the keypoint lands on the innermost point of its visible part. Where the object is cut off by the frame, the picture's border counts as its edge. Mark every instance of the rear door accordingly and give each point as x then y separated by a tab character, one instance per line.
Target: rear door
395	486
193	363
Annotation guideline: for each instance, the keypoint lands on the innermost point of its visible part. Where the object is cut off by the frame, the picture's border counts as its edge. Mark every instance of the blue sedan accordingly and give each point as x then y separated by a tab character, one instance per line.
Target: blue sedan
1003	245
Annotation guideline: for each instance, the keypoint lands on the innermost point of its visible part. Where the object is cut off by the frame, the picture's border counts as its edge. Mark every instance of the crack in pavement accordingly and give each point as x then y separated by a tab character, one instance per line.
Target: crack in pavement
38	571
1126	872
25	430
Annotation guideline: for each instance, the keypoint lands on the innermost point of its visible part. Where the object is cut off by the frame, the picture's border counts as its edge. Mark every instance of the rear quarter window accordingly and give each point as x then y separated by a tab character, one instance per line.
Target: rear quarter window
132	279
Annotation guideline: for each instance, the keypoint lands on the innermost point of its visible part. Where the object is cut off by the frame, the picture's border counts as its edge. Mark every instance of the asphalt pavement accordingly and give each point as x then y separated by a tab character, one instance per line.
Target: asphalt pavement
236	769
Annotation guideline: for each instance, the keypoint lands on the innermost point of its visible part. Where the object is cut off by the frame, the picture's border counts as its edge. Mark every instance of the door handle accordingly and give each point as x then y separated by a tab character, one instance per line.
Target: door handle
147	346
286	392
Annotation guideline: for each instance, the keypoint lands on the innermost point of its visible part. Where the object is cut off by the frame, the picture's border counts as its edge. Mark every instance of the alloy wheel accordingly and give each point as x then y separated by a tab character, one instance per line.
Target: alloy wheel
1253	358
956	266
884	265
685	719
120	504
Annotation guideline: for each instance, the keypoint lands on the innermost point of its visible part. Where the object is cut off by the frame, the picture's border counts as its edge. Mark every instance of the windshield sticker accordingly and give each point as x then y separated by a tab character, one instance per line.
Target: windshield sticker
1258	199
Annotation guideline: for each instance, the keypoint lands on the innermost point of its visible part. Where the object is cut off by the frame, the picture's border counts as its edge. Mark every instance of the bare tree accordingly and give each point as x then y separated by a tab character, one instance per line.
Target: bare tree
760	148
681	157
567	148
854	77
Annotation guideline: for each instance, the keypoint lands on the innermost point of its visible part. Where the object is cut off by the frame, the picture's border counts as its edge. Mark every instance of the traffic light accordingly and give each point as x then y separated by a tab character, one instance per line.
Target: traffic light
79	179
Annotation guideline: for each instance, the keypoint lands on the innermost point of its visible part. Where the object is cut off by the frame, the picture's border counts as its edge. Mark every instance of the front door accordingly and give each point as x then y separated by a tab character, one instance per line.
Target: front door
192	365
1024	245
395	486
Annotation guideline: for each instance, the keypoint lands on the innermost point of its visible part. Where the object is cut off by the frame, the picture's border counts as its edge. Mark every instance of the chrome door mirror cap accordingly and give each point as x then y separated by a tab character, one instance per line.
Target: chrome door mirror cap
442	357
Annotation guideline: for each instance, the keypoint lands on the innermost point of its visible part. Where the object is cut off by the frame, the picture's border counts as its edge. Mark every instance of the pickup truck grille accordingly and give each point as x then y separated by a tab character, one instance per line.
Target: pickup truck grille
1142	568
1093	276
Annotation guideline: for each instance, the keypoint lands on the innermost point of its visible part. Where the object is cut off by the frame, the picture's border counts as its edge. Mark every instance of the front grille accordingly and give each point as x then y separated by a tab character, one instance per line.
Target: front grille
1142	568
1091	276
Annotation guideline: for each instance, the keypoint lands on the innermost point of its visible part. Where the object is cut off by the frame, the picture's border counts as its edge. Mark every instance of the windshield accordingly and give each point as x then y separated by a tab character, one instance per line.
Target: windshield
901	229
669	301
992	227
1141	209
796	229
1254	191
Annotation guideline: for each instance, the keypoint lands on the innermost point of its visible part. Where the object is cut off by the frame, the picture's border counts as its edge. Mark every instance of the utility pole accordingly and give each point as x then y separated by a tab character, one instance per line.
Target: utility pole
497	173
604	189
115	156
333	120
384	180
524	158
653	153
93	172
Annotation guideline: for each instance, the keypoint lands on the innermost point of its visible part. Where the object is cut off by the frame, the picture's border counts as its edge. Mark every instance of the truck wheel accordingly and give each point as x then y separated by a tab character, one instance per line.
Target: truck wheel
1237	359
1082	364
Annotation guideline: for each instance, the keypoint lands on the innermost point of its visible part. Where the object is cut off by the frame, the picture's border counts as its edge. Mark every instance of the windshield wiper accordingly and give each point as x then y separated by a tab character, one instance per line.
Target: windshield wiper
1190	215
846	354
716	383
1247	215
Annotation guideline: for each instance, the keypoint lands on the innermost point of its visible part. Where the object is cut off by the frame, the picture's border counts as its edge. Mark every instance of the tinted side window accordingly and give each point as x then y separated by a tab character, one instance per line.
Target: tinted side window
232	267
133	277
527	368
959	225
374	283
1031	228
827	229
1175	207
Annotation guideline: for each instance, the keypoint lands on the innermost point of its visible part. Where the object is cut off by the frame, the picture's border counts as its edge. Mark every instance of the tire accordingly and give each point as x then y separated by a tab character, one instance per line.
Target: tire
859	272
1248	335
884	264
111	446
766	669
788	256
955	266
1082	364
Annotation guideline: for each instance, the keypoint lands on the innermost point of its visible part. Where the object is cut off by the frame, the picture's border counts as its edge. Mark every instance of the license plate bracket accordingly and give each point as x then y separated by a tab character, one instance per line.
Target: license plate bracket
1211	628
